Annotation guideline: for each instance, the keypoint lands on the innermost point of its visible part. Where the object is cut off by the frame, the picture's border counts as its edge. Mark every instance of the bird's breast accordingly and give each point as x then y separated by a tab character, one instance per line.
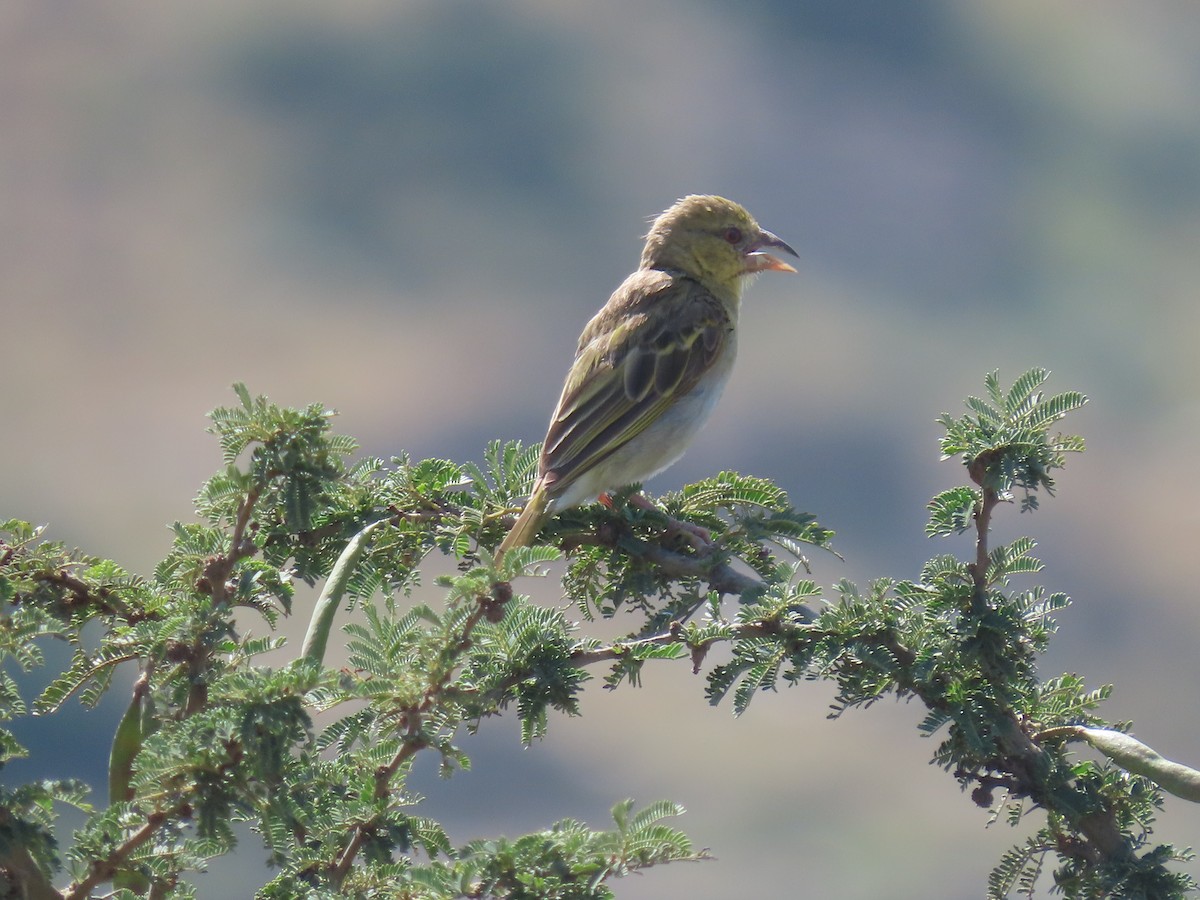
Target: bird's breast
662	442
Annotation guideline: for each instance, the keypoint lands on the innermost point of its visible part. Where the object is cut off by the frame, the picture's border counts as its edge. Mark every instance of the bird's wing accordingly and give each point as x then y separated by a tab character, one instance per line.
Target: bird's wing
626	376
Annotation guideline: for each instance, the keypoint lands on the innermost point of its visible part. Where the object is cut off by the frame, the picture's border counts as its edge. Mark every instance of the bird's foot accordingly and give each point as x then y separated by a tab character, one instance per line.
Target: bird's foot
699	537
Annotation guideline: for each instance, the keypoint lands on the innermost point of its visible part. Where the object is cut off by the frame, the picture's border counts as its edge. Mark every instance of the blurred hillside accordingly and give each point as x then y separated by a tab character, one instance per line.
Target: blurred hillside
408	210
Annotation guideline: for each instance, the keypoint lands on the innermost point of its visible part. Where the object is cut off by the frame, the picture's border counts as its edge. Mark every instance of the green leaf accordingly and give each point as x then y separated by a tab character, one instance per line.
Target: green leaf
1022	395
952	511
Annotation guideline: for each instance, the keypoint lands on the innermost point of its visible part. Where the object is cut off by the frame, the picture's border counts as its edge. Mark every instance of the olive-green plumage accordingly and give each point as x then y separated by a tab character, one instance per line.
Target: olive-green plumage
652	363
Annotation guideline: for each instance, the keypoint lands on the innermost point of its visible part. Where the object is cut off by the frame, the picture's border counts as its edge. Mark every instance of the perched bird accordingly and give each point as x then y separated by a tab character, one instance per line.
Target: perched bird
652	363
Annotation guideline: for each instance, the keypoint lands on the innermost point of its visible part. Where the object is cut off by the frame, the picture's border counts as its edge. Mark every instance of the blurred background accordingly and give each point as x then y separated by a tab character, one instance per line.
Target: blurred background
407	210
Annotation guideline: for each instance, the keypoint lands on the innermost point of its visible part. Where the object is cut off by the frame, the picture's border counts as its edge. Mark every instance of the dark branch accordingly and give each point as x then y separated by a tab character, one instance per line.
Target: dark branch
712	569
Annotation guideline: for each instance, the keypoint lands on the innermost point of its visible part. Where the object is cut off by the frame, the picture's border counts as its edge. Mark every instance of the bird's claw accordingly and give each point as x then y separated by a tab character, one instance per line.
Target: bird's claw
697	536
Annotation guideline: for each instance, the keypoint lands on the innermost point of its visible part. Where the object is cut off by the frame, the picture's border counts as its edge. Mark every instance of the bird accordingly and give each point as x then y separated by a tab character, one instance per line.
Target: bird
651	364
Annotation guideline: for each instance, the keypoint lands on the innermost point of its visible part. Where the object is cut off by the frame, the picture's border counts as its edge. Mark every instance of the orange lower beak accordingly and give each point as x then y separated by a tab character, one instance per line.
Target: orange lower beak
765	262
757	261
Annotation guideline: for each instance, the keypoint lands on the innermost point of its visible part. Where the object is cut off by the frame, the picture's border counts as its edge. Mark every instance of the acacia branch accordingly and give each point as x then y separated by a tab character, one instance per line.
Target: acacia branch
219	569
718	574
20	872
383	776
621	649
721	577
983	524
103	870
82	594
1022	757
412	744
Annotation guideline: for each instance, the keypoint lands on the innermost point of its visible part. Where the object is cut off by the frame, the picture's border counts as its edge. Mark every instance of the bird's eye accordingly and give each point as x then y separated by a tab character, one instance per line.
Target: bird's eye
733	235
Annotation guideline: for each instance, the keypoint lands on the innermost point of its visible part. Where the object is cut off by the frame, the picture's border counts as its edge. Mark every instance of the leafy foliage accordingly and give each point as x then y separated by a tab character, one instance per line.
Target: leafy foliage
1006	443
224	726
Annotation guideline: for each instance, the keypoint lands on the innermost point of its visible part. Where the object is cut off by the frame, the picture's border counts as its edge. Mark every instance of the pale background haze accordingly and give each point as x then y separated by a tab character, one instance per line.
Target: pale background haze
407	211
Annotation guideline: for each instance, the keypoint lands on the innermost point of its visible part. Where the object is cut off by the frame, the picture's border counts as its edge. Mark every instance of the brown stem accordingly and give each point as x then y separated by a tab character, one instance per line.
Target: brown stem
621	648
103	870
83	595
384	774
983	523
720	576
19	872
1100	827
217	573
218	569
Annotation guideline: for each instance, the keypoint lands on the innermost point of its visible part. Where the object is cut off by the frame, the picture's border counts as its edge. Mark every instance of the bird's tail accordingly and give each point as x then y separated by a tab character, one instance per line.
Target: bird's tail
529	523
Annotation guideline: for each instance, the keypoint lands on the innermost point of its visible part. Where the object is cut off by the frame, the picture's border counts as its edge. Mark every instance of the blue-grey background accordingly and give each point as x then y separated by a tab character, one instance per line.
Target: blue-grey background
407	211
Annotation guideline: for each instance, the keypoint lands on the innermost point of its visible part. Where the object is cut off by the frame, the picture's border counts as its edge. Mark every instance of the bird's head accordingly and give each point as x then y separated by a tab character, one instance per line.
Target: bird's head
713	240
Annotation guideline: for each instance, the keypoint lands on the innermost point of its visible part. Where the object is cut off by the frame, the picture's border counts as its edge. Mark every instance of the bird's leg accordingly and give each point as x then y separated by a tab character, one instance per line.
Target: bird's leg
700	538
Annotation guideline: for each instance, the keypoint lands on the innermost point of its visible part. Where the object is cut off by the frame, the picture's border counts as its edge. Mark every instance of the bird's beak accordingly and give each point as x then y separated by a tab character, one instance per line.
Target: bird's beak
758	261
